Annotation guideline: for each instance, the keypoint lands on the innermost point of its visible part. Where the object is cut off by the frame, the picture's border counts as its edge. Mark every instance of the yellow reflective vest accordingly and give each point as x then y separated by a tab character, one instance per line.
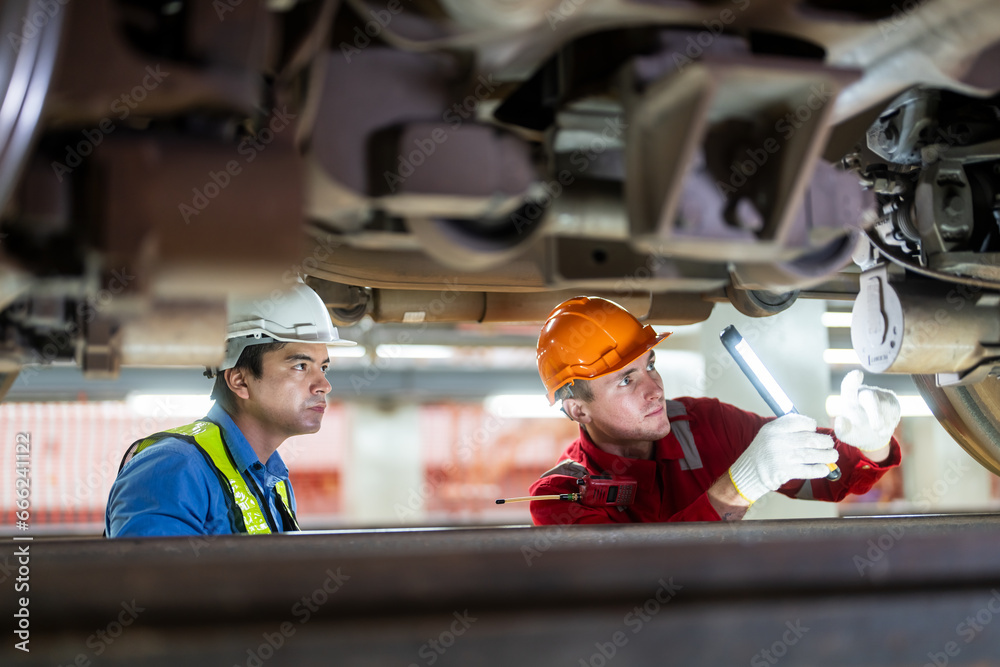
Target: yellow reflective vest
245	510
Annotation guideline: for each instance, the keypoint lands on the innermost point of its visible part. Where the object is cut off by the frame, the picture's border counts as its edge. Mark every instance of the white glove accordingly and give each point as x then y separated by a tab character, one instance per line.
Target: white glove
784	449
868	415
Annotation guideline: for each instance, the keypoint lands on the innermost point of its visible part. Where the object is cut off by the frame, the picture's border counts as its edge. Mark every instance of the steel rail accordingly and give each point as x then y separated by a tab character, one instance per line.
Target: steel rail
870	591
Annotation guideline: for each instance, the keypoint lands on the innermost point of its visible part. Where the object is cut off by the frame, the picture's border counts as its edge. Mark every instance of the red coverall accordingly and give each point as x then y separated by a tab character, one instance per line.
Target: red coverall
706	437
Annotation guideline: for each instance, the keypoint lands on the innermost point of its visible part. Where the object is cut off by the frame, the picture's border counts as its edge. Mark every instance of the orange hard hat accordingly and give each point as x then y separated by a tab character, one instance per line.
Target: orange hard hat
586	337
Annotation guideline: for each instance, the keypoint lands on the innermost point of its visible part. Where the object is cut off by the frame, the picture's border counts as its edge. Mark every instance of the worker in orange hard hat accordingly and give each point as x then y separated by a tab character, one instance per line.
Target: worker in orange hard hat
694	459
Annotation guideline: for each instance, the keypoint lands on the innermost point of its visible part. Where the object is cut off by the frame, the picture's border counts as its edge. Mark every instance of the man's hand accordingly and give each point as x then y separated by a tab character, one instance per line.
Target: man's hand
785	449
868	416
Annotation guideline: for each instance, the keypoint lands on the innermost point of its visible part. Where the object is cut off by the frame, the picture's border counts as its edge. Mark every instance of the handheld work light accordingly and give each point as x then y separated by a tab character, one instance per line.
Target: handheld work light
762	380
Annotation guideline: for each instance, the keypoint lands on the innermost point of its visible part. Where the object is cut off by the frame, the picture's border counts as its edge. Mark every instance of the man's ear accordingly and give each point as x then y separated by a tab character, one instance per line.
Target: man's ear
576	410
236	380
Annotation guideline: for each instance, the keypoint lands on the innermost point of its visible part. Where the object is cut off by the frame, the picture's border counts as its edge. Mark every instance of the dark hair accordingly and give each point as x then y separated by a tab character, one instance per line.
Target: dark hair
251	360
579	389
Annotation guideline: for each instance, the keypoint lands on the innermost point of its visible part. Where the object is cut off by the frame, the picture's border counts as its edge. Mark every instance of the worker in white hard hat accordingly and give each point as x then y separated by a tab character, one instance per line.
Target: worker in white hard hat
222	474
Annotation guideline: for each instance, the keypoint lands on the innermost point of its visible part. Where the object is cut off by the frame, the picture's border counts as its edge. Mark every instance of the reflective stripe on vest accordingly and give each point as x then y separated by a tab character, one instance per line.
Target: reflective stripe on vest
208	436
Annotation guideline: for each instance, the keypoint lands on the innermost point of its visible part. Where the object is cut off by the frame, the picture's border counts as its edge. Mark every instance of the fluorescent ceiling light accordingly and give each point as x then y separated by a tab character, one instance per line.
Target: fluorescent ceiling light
910	406
834	320
414	351
352	352
525	406
841	356
163	406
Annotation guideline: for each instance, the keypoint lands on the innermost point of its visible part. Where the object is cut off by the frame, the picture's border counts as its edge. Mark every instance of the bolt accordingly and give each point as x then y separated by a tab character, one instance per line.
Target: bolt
954	205
886	138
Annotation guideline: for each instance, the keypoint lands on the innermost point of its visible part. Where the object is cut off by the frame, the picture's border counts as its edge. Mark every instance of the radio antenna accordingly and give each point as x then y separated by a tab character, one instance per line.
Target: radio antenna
561	496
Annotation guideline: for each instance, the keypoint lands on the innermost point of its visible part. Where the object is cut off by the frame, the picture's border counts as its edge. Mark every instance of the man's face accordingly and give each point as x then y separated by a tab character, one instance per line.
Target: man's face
628	405
290	395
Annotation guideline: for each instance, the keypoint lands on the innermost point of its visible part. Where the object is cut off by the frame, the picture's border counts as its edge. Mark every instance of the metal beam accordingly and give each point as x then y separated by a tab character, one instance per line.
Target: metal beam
396	379
863	591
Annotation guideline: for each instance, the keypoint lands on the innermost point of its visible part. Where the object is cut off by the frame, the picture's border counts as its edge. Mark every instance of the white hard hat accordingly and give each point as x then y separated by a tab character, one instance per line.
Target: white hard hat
297	315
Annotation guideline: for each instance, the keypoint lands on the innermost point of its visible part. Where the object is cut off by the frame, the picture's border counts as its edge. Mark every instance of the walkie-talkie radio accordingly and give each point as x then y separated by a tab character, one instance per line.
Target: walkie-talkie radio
595	491
607	491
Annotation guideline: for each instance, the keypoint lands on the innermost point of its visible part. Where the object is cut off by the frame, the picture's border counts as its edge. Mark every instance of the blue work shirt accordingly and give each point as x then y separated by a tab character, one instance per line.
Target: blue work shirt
170	489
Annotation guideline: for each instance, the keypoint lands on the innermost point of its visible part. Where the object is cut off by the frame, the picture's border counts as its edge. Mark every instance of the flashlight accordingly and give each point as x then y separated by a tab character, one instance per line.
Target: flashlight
762	380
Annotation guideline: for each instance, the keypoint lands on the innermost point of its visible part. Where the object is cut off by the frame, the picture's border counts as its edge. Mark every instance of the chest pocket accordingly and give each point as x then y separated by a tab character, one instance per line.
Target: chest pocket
682	431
